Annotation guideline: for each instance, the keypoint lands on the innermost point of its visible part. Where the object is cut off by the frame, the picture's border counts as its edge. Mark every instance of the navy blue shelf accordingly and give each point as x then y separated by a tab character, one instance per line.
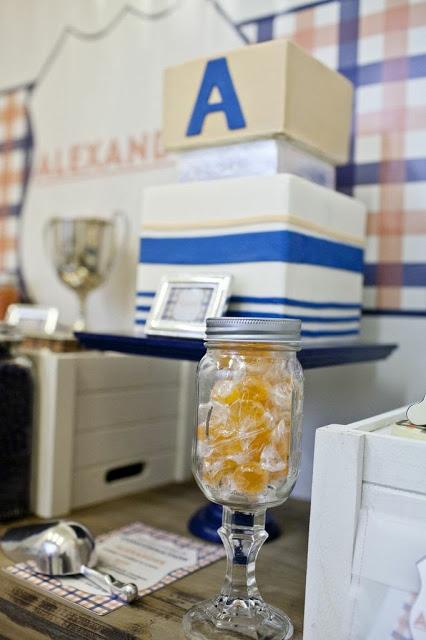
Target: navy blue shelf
311	356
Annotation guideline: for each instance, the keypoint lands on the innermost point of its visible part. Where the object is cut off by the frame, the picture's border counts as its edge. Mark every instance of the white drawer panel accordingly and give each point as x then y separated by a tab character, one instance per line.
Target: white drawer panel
395	462
110	371
103	409
390	537
119	441
90	484
96	411
394	502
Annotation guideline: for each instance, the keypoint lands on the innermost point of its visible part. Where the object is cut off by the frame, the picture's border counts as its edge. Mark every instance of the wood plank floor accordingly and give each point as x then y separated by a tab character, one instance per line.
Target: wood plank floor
29	614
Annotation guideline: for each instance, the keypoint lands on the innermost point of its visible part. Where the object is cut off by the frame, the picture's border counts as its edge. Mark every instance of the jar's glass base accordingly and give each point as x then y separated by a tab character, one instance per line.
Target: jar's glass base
223	619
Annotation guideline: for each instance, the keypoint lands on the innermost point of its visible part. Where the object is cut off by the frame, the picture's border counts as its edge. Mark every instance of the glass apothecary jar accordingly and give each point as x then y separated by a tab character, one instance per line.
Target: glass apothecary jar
16	424
246	457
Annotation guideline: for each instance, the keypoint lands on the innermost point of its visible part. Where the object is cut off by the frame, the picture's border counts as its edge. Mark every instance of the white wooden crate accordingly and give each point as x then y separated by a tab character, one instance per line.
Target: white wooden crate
102	415
365	480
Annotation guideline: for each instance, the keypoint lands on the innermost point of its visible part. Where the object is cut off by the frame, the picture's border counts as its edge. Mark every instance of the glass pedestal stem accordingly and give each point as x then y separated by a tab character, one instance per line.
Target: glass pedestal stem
204	523
239	610
242	535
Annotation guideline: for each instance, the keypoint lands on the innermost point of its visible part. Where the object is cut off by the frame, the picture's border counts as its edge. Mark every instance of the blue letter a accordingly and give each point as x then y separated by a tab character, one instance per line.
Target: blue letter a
216	75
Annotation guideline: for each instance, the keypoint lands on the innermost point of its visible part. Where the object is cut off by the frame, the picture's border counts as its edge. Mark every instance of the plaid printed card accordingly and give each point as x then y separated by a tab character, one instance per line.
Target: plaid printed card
391	619
150	557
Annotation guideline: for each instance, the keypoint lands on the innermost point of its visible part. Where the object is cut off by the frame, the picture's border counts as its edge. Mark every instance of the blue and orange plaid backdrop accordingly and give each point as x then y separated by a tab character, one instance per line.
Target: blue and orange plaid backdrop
16	144
380	45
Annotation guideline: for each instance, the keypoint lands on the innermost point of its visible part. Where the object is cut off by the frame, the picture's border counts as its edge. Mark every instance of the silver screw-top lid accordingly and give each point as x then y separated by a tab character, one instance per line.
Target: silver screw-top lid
254	329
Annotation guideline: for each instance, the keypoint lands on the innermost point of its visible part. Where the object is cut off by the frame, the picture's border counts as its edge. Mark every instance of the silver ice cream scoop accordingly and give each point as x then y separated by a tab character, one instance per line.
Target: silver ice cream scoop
62	548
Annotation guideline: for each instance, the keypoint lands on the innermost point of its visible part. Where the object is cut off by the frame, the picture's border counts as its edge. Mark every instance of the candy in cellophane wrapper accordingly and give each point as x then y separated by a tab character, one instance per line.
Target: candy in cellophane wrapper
245	430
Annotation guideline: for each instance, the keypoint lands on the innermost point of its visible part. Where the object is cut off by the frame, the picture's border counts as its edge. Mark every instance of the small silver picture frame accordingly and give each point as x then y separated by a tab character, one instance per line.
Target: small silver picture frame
184	302
33	319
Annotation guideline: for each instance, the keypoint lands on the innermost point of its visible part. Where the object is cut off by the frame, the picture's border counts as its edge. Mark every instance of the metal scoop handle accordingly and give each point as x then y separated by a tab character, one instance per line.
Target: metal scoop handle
127	592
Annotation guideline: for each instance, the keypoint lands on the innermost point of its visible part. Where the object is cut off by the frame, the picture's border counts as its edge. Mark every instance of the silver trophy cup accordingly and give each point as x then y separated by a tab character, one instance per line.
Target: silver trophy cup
83	252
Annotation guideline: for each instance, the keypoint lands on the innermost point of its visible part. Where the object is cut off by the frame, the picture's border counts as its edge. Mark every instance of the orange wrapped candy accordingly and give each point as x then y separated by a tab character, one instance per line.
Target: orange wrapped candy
245	439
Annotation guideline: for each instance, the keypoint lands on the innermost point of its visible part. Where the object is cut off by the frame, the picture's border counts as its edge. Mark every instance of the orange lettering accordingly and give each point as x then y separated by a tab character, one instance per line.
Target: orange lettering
43	167
92	154
137	148
74	158
158	149
113	153
58	162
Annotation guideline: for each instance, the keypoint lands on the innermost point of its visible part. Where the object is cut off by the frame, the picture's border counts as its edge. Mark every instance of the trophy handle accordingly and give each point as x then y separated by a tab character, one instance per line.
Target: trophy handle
121	219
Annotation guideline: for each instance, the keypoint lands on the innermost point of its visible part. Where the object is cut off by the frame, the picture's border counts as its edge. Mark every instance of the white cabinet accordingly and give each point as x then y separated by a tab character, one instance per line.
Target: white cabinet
107	425
367	531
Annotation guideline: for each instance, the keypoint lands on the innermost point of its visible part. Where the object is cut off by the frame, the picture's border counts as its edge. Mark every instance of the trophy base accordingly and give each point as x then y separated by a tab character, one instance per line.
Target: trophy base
225	619
79	325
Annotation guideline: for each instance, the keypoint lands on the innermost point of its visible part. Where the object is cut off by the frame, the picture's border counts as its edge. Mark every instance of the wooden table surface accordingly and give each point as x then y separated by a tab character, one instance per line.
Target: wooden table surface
27	613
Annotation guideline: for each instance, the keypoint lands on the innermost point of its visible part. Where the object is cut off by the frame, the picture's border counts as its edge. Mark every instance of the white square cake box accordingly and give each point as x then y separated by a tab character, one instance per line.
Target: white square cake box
107	425
294	248
367	533
265	157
